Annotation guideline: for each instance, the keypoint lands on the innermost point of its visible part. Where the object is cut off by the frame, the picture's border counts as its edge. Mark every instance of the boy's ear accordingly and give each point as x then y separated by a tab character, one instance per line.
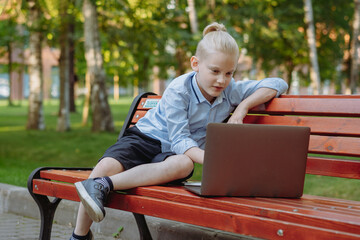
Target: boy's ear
194	61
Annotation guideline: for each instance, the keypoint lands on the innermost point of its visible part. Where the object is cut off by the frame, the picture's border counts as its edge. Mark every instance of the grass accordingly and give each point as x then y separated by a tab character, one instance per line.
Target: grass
21	150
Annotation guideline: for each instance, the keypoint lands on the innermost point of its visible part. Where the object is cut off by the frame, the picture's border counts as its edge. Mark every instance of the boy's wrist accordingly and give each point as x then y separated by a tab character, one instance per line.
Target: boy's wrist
195	154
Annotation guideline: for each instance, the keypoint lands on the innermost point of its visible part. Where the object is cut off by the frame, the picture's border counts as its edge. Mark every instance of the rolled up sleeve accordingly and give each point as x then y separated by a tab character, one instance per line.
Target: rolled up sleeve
277	84
242	89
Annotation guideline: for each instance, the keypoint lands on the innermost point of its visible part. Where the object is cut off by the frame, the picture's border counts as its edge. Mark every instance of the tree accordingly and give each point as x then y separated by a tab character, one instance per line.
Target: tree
183	34
101	113
192	16
65	66
12	38
35	112
332	39
270	33
311	38
355	48
127	57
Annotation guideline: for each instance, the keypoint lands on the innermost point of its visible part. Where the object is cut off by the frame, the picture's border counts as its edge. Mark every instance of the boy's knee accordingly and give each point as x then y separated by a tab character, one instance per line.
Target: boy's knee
107	167
186	165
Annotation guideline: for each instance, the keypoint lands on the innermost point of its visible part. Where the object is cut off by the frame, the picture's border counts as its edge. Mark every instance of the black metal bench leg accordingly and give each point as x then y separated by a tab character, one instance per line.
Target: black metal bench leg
47	211
47	208
143	227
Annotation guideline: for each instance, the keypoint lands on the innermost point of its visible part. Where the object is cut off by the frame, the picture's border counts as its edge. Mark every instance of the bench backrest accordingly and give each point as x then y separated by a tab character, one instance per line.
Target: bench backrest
334	148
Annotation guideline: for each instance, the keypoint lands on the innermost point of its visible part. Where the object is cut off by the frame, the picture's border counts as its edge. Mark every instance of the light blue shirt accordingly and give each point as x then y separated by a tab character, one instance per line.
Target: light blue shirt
180	118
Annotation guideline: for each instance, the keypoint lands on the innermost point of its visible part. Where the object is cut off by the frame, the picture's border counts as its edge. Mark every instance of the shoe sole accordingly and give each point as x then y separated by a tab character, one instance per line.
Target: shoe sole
93	210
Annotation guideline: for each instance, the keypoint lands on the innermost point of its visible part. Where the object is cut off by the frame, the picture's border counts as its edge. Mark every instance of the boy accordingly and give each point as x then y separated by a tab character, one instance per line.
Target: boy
164	145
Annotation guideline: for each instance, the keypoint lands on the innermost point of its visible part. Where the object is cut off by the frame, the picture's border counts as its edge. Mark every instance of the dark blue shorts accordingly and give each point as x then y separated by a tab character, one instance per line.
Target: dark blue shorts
135	148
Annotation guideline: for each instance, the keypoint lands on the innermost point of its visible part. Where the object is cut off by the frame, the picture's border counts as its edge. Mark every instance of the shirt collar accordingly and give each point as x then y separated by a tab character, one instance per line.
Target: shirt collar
200	97
195	87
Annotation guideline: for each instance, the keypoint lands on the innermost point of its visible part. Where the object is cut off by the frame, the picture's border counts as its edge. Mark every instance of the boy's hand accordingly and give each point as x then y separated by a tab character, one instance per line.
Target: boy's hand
238	115
195	154
262	95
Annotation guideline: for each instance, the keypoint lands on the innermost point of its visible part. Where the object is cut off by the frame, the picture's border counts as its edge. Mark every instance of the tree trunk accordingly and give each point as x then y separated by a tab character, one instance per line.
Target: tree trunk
338	79
311	38
63	123
290	76
35	112
18	47
101	113
116	87
211	4
181	59
10	70
260	74
295	83
192	16
85	112
72	76
354	51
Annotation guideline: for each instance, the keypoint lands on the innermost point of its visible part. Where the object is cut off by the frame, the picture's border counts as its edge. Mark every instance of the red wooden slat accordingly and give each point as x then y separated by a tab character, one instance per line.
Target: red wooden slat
180	194
55	189
334	210
337	96
292	210
334	201
69	176
311	106
333	167
345	146
137	115
318	125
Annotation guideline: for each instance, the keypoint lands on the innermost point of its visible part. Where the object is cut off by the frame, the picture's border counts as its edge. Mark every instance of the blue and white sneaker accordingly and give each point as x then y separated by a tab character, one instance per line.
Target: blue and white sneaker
93	196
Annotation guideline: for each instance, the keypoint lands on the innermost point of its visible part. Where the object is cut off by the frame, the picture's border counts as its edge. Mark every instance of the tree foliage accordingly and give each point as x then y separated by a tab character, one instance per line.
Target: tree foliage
137	36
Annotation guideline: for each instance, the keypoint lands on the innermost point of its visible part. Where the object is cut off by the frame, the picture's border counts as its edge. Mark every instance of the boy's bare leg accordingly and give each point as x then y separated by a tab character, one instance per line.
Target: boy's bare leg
173	168
106	167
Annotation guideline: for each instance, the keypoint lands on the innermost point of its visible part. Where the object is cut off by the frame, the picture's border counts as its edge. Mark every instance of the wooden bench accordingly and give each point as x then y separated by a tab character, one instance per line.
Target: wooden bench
335	128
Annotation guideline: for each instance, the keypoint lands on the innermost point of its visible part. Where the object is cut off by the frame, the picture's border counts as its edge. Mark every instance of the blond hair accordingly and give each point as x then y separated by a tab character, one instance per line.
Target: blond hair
216	37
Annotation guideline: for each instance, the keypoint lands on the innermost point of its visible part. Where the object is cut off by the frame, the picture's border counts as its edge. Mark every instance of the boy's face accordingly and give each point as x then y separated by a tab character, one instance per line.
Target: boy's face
214	73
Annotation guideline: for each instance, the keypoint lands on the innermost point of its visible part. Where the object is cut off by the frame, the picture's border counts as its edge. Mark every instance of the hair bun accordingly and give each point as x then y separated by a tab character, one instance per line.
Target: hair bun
213	27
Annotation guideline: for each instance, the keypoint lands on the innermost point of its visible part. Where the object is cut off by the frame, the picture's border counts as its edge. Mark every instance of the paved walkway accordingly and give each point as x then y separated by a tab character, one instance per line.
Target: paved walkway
20	228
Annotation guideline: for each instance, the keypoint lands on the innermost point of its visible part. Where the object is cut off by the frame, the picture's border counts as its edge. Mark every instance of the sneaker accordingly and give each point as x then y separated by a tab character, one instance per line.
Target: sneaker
93	196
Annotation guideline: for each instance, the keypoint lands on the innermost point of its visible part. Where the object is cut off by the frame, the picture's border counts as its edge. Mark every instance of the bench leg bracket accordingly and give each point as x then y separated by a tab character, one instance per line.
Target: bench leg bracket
47	211
143	227
47	208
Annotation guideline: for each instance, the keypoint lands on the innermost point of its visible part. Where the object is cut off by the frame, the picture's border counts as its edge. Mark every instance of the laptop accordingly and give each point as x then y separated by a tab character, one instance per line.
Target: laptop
253	160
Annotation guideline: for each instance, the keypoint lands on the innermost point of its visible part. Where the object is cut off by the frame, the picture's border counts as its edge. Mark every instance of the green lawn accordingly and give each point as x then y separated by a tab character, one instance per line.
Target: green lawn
22	150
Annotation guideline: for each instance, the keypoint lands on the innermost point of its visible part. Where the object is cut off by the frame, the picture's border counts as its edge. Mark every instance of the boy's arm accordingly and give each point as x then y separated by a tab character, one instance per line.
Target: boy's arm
196	154
262	95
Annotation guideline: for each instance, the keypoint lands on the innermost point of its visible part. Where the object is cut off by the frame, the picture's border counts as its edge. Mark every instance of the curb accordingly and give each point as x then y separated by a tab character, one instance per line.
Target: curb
17	200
